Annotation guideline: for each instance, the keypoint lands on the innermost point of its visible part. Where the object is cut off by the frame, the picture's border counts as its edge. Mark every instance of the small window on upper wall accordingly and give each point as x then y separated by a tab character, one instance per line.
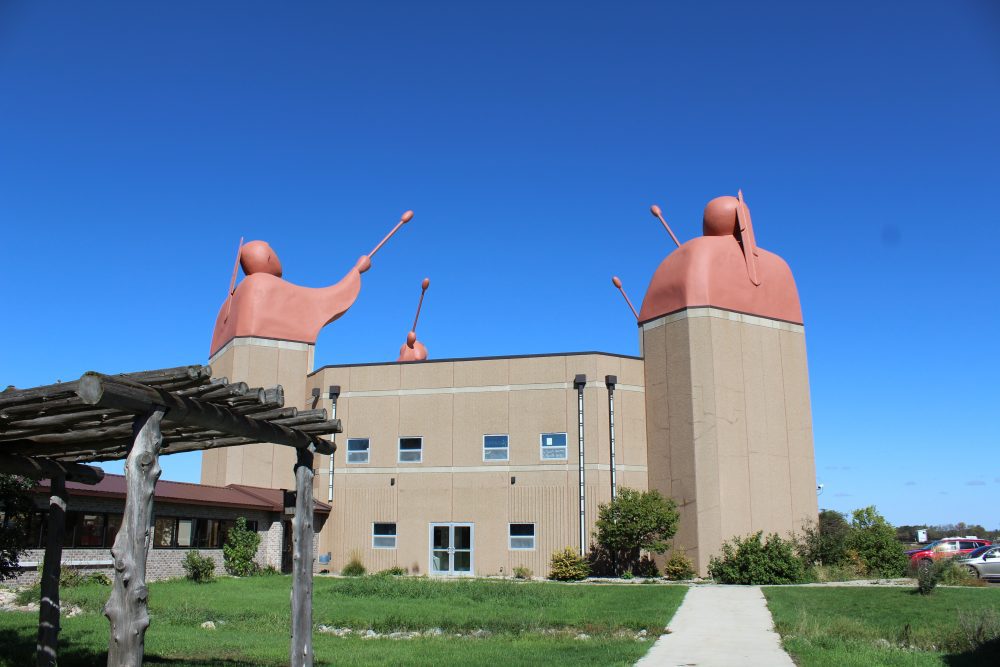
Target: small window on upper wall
411	450
384	536
553	446
357	450
495	447
522	536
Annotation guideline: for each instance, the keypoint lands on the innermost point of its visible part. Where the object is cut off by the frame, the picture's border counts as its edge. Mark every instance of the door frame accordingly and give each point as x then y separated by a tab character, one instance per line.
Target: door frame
451	549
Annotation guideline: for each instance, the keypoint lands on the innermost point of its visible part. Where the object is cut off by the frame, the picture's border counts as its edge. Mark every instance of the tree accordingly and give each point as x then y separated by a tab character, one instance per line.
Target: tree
873	540
240	549
826	542
15	515
634	522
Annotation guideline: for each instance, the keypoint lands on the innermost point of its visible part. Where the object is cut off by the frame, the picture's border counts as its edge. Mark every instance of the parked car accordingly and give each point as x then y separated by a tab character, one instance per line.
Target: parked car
983	562
949	547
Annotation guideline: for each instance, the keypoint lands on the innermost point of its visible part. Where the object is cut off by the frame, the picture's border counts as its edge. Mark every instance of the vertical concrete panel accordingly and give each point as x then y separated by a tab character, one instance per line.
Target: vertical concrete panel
706	444
776	445
798	415
544	506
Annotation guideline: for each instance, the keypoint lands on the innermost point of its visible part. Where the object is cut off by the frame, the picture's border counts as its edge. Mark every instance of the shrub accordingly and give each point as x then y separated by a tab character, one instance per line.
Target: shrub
15	510
953	574
354	568
198	568
678	567
99	578
627	574
268	571
929	576
873	539
70	577
635	521
825	542
522	572
395	571
568	565
753	561
240	549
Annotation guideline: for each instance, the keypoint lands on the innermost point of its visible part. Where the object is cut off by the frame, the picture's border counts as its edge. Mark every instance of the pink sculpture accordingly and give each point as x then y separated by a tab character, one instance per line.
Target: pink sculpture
266	306
723	268
414	350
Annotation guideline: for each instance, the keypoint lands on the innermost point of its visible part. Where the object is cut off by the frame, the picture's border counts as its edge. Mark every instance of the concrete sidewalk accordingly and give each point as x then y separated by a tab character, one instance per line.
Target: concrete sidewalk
719	625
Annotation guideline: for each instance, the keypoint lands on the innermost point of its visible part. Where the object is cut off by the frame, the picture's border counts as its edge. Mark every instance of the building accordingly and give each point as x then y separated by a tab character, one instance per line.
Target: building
187	516
476	466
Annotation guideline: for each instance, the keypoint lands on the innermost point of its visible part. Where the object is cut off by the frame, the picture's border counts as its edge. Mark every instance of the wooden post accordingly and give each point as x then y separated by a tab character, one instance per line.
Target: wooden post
48	608
302	562
126	608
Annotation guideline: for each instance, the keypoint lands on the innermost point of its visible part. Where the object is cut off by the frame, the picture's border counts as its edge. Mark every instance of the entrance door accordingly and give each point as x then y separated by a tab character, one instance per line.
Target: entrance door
451	548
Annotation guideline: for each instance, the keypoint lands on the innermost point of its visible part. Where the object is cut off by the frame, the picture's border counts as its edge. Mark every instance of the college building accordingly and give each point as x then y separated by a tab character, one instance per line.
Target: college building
476	466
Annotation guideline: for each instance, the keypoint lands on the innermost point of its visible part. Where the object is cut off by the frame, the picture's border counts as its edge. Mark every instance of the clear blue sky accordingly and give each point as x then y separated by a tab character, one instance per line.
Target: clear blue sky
140	141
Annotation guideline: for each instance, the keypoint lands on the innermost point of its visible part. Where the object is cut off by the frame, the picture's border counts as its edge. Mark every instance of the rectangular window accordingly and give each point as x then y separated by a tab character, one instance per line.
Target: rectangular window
185	530
164	530
357	450
384	536
495	447
411	450
206	534
553	446
90	532
522	536
114	525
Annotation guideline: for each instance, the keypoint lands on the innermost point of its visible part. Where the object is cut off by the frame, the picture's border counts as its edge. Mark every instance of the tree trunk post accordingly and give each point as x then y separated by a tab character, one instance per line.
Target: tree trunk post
302	562
47	647
126	608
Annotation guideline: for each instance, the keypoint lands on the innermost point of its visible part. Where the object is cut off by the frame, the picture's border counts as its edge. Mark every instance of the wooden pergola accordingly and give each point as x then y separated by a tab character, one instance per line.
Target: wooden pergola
52	432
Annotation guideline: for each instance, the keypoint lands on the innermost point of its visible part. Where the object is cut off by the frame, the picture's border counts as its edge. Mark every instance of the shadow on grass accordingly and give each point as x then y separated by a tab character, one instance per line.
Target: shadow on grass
987	654
19	649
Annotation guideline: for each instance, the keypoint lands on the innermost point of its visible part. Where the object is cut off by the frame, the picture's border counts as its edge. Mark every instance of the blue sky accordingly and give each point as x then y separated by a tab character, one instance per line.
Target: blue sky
140	141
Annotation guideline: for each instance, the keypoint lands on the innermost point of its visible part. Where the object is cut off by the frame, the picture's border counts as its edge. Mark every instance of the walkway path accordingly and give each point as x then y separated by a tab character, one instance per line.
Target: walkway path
719	625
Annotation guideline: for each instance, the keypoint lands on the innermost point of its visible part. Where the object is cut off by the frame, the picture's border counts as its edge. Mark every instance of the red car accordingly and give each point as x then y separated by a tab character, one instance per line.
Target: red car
948	547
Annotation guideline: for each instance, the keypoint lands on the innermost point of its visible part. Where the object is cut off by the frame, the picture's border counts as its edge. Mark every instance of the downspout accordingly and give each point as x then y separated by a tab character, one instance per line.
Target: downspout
580	382
611	381
334	395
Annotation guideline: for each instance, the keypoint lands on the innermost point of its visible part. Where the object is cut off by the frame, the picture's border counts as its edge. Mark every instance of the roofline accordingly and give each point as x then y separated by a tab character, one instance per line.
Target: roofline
454	359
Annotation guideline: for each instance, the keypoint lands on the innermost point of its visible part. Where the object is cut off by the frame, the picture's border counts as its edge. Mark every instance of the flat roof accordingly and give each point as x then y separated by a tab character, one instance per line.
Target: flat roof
454	359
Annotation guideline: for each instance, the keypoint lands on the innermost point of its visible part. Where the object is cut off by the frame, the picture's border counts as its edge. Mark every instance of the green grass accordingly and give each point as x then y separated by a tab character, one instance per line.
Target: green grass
528	623
865	626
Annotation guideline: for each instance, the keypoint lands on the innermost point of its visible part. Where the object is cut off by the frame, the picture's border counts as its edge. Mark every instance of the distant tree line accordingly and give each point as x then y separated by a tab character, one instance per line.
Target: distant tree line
960	529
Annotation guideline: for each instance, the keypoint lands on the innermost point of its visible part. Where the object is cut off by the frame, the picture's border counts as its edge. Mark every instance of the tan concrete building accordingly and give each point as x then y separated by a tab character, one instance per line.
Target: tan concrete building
474	466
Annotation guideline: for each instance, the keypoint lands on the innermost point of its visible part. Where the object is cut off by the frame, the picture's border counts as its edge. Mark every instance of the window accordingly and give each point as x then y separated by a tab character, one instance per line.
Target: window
411	450
553	446
206	534
522	536
384	536
185	530
164	529
495	447
90	530
357	450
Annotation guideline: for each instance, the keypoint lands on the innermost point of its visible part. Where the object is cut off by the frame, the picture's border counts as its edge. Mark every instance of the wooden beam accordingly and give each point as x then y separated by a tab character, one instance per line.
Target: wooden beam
47	648
127	607
302	562
41	468
96	389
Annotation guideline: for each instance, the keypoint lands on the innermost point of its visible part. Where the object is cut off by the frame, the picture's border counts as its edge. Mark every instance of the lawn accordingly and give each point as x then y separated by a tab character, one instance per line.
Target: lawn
514	622
864	626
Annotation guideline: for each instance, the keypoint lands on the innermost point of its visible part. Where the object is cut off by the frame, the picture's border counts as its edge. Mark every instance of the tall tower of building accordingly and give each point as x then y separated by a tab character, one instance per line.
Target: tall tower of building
728	420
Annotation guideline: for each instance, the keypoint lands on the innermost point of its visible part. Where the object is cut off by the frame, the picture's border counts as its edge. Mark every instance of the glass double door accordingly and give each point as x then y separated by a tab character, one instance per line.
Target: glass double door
451	548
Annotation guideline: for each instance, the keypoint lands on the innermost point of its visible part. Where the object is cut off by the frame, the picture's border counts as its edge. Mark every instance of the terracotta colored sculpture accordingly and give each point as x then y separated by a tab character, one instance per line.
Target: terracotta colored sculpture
264	305
724	268
412	349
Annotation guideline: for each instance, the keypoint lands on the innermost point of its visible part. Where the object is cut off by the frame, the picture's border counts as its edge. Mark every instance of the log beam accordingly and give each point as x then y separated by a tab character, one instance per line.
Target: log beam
40	468
127	607
47	648
104	391
302	562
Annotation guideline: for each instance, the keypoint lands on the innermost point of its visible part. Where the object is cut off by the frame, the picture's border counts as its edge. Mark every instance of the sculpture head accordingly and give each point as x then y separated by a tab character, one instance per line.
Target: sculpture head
720	217
258	257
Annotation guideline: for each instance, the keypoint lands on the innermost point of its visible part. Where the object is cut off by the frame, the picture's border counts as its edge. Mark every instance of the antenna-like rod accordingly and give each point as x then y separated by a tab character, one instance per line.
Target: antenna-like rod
406	217
423	290
232	281
616	281
655	210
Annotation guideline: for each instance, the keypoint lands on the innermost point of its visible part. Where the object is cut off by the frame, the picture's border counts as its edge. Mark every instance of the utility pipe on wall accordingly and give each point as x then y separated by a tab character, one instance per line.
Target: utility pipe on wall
580	382
334	395
611	381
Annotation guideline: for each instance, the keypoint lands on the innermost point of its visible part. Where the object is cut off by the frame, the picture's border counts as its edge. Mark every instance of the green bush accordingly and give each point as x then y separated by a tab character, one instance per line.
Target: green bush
198	568
354	568
678	567
929	576
16	507
395	571
240	549
268	571
568	565
99	578
635	521
522	572
70	577
825	542
627	574
873	540
756	561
